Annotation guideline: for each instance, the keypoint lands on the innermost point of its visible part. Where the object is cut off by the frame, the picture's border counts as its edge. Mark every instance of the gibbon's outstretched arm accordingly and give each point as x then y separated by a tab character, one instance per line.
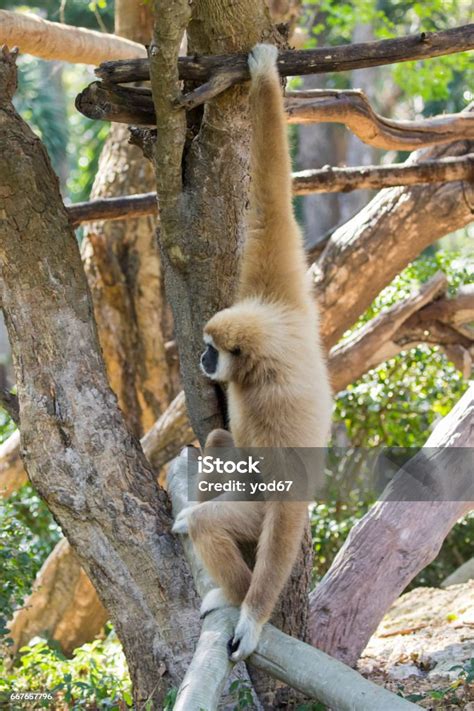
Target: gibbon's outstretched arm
274	249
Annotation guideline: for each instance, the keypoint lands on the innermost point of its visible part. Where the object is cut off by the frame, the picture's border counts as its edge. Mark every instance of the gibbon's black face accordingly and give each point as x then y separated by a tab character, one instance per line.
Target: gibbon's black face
209	359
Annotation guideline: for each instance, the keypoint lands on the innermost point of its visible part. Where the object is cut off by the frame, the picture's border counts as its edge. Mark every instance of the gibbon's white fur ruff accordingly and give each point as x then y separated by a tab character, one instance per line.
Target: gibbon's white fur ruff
267	349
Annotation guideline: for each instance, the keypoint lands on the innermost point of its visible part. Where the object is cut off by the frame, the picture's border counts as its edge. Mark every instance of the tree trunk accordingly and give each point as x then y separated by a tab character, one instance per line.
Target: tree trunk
76	448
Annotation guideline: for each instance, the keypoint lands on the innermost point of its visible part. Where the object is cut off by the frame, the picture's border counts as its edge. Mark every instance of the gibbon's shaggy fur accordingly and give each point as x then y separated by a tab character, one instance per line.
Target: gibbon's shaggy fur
266	348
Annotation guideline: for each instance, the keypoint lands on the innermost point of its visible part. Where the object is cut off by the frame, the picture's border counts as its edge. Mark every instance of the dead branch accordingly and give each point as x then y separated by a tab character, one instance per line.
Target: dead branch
393	542
310	61
352	108
53	40
289	660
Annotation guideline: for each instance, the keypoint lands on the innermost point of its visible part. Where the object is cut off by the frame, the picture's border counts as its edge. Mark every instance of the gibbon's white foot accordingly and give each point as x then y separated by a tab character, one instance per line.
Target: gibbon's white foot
213	600
262	59
181	523
246	636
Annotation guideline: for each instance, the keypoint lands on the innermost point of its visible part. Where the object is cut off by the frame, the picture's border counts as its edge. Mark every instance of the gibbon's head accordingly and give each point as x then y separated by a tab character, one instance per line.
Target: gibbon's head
243	344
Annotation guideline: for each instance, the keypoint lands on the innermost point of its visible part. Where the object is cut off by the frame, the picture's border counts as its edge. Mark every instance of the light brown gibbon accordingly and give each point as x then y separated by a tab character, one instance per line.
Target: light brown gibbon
266	347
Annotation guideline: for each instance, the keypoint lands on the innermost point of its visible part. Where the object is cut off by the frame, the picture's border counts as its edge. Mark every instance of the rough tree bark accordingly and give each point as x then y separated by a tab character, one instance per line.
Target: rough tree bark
76	448
394	541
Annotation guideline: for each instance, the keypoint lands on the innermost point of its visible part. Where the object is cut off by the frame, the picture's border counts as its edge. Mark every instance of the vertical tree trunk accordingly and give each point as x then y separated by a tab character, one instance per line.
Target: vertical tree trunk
203	200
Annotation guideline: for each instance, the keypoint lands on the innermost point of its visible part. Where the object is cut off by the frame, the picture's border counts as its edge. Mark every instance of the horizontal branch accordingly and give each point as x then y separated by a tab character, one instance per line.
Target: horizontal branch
53	40
324	180
374	177
309	61
113	208
352	108
133	105
297	664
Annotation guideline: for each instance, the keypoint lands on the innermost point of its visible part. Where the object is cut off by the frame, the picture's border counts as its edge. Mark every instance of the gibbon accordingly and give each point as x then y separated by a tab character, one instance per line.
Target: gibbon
266	348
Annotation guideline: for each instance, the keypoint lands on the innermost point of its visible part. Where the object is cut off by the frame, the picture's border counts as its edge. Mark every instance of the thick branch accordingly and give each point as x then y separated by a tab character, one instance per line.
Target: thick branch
63	604
353	109
310	61
52	40
295	663
12	472
393	542
116	103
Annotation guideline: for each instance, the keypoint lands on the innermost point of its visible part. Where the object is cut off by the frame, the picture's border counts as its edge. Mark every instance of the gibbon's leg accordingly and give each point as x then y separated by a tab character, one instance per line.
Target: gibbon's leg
277	550
215	527
273	262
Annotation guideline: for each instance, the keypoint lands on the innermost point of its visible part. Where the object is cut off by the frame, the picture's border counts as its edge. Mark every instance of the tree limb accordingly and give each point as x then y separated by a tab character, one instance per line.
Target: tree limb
53	40
352	108
295	663
132	105
378	242
324	180
309	61
394	541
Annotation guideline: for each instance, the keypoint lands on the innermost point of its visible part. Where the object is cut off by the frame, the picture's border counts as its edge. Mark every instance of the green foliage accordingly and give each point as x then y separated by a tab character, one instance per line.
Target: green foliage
27	535
95	678
17	563
7	426
242	694
434	79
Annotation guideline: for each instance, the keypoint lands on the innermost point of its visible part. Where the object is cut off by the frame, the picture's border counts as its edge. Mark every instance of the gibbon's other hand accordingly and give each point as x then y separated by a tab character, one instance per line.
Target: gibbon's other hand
246	636
262	59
